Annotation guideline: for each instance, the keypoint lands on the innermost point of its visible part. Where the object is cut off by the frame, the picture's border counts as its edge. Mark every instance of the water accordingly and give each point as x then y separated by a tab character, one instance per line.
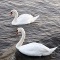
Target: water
46	29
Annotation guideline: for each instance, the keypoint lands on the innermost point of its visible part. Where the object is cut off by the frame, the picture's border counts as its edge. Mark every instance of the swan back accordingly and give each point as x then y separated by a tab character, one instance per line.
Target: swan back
25	19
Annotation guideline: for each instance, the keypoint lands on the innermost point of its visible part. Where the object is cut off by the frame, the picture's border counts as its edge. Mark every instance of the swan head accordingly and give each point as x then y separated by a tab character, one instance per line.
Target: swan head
20	30
14	12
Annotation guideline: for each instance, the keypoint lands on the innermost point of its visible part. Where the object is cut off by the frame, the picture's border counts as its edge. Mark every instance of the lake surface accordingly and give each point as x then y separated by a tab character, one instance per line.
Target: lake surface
46	29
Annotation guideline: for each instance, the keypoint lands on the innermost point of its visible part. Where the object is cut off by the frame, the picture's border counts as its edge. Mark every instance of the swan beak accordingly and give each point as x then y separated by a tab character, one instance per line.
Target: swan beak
17	32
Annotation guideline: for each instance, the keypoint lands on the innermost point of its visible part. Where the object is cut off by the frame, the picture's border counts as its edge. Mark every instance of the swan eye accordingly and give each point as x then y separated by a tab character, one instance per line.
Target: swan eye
11	13
16	32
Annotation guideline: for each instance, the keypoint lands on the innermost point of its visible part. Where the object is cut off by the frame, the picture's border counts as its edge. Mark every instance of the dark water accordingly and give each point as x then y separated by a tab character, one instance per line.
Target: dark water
46	29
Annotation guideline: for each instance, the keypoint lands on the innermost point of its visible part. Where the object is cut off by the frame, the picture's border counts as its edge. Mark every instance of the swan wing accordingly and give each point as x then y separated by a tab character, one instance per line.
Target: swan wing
24	19
33	49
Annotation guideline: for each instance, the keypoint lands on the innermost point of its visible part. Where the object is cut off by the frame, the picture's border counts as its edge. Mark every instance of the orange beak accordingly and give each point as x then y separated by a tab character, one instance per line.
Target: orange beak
17	32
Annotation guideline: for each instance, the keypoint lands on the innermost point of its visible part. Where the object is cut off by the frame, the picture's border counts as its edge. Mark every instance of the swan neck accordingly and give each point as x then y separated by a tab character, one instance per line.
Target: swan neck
21	39
16	16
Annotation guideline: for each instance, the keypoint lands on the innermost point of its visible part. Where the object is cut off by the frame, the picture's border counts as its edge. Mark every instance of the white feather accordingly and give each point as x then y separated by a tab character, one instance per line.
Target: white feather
22	19
32	49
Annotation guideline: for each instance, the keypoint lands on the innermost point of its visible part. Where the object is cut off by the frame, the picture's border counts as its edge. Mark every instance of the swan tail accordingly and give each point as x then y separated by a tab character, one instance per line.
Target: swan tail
36	17
52	49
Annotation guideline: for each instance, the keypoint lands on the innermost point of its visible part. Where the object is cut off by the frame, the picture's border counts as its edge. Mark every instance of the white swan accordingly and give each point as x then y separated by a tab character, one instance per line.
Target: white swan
32	49
22	19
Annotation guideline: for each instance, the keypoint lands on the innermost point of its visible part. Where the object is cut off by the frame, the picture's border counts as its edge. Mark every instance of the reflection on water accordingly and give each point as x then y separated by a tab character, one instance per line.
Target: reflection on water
20	56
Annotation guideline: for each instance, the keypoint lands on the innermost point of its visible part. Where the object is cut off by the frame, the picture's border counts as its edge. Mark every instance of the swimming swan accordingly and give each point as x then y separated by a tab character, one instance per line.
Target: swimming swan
32	49
22	19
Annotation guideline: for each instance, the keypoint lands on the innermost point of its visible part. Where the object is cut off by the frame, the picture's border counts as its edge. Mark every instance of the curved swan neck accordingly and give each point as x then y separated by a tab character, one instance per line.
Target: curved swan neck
16	16
22	39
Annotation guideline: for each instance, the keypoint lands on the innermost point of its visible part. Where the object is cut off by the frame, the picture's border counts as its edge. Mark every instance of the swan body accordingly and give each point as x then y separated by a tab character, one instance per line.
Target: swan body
22	19
33	49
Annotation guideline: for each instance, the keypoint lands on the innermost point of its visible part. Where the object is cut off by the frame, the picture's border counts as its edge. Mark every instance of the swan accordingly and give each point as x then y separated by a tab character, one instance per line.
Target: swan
32	49
22	19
